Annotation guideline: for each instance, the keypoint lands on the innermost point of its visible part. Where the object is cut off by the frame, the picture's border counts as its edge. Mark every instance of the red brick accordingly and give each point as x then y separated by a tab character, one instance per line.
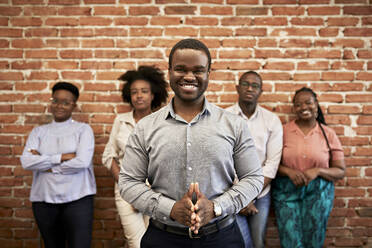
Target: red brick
77	32
282	65
307	21
362	32
95	21
359	98
237	65
10	11
235	54
26	21
8	118
357	10
342	21
354	141
97	43
364	120
306	77
39	11
275	76
324	11
251	11
366	20
26	65
356	43
117	54
43	75
75	11
77	75
364	76
41	54
269	21
59	21
150	32
221	11
330	54
180	31
110	11
4	21
336	109
108	75
313	65
11	76
97	108
240	43
165	21
367	109
179	10
27	43
64	2
99	1
267	43
148	10
221	76
288	11
75	54
364	54
337	76
328	32
92	65
42	32
294	32
28	108
251	32
363	130
62	43
242	1
268	54
62	65
236	21
358	161
207	1
132	66
361	151
287	43
145	54
330	98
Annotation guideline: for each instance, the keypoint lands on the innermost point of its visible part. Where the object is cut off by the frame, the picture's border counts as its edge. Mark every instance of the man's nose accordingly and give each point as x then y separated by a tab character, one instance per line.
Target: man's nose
189	76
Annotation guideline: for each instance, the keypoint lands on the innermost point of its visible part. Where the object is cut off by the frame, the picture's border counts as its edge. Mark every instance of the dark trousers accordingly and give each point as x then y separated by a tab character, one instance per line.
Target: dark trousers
65	223
228	237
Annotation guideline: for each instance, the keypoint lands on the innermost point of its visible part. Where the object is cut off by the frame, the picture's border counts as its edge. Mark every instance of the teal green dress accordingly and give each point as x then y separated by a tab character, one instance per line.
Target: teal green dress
302	212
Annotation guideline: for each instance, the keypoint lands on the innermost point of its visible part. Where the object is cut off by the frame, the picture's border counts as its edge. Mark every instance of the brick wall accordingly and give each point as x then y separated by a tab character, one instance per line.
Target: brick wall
325	44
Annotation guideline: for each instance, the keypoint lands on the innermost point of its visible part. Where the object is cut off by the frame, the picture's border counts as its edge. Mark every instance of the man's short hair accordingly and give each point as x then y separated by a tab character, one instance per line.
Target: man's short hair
66	86
251	72
190	44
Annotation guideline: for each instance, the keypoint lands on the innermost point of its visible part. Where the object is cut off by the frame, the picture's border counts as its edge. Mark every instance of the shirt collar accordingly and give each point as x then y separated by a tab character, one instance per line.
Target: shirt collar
240	112
170	110
66	122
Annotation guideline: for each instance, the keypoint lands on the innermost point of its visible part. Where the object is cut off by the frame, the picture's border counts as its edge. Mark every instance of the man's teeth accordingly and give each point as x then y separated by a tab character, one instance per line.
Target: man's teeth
189	86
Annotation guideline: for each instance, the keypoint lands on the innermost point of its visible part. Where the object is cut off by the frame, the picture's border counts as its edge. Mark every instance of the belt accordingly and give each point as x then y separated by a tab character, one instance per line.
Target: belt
205	230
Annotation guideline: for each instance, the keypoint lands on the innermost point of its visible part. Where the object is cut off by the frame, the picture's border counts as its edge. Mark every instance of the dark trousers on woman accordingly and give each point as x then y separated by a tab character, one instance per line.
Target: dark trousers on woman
65	224
228	237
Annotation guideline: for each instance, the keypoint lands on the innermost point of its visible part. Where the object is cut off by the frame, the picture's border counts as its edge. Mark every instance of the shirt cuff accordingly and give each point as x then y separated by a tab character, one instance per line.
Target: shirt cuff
164	208
56	159
268	172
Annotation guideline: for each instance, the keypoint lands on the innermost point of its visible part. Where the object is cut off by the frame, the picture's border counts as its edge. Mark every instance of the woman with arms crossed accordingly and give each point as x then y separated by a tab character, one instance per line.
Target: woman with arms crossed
145	90
60	156
304	190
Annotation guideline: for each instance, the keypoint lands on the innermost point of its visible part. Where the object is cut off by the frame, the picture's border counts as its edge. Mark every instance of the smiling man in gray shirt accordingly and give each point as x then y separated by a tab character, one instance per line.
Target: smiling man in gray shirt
190	151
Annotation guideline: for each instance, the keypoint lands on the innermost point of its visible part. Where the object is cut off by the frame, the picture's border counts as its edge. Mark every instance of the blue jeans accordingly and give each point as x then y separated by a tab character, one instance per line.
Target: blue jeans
253	227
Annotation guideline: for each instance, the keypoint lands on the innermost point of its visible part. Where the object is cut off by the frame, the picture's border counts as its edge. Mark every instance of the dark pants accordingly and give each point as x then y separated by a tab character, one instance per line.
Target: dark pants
228	237
65	223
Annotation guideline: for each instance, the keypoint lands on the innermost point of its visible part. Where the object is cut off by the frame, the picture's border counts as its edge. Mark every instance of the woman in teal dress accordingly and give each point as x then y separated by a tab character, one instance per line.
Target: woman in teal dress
312	160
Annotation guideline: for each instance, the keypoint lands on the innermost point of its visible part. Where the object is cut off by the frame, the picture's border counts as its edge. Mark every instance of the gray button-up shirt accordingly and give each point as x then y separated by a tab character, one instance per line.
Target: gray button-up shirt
173	153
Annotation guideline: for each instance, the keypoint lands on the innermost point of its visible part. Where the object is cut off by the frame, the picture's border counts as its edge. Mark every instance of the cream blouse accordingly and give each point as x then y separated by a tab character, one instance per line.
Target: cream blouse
115	148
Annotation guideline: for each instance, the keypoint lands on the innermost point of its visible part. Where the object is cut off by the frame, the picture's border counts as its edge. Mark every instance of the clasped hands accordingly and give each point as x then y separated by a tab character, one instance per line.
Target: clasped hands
300	178
193	215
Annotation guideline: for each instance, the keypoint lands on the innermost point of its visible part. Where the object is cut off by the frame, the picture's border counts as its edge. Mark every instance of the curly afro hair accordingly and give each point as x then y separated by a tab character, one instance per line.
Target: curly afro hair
150	74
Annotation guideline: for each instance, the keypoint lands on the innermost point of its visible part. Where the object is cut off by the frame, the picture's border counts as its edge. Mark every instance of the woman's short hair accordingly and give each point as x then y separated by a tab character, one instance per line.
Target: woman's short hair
66	86
151	74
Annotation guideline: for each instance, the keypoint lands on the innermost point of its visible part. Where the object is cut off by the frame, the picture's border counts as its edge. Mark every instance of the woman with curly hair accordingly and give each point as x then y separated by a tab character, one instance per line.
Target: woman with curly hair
312	160
145	90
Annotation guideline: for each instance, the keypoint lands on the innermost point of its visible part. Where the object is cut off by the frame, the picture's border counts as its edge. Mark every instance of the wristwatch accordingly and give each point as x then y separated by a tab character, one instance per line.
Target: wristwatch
217	209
